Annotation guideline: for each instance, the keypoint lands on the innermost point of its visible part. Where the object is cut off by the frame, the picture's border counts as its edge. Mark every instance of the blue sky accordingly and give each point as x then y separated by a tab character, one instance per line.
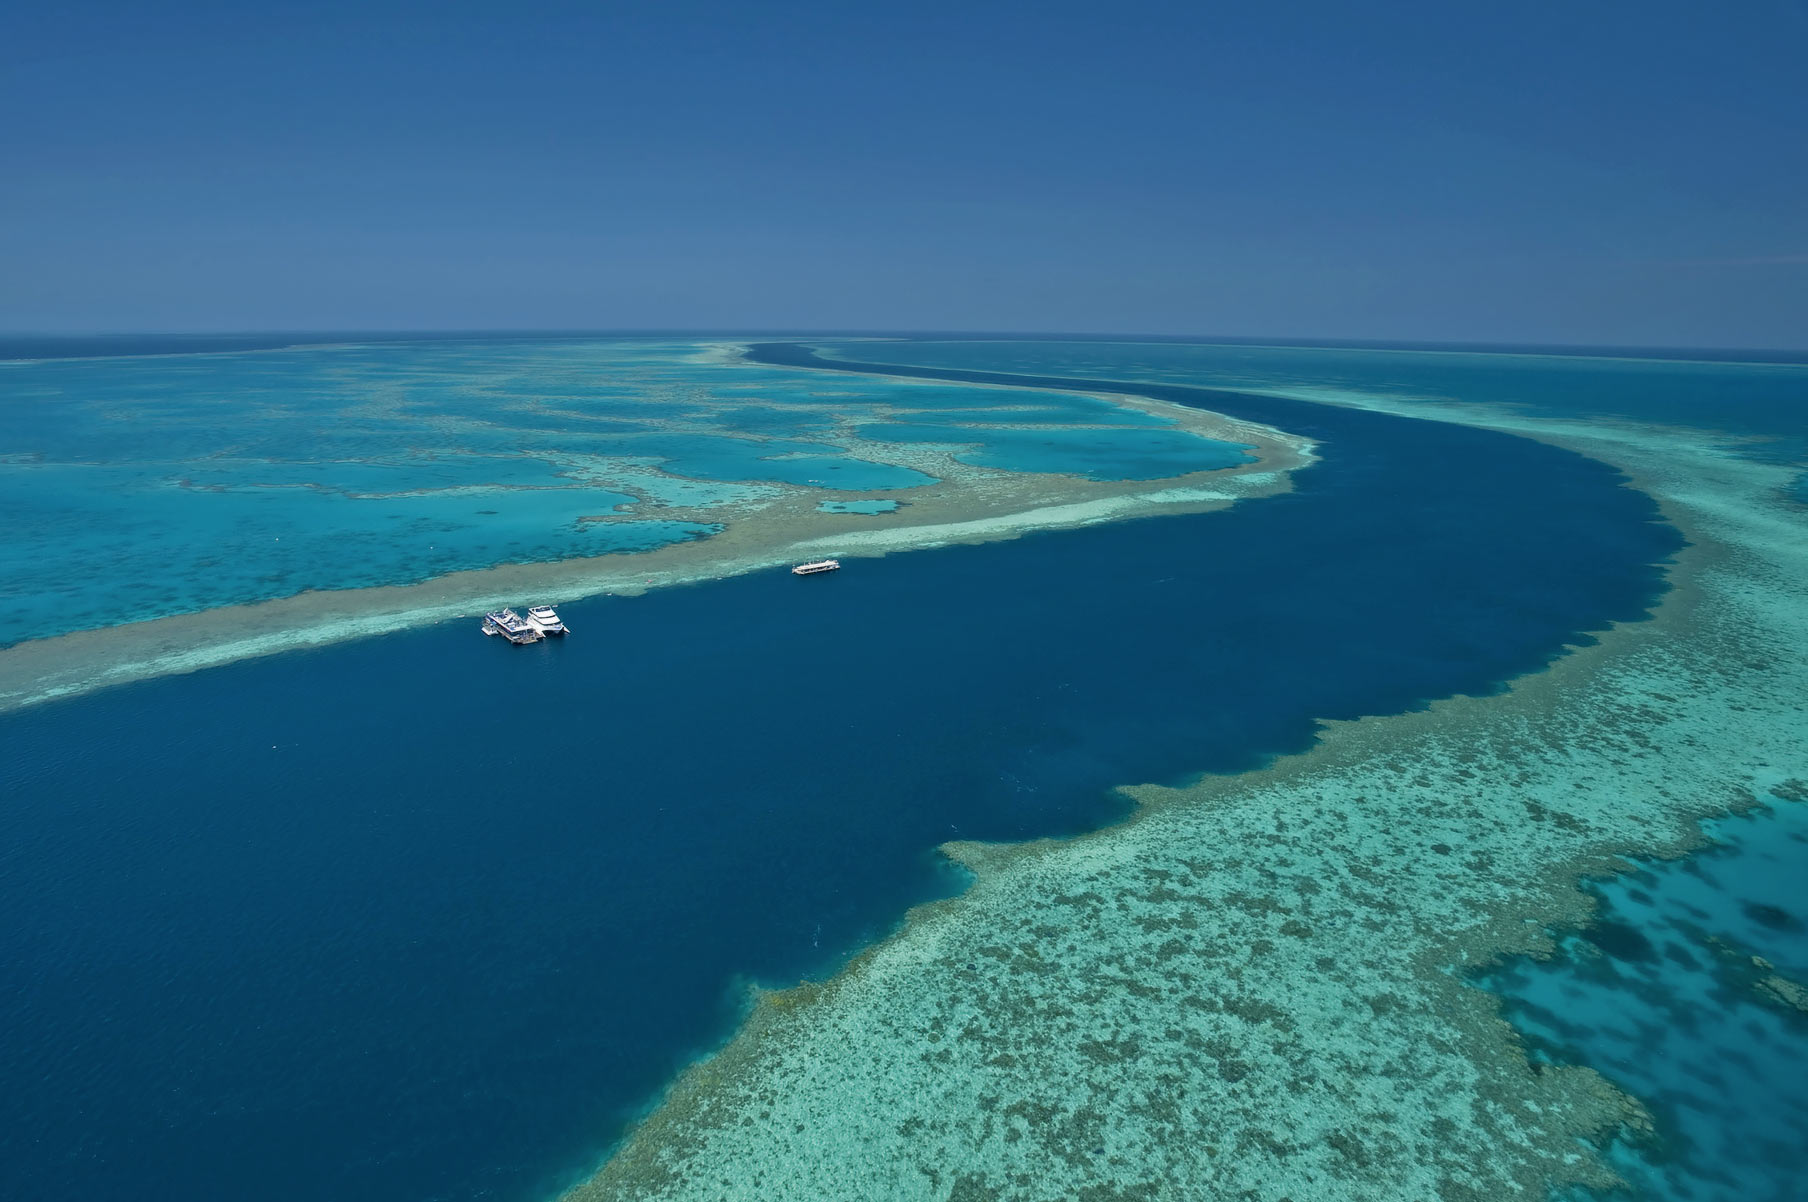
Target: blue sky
1586	172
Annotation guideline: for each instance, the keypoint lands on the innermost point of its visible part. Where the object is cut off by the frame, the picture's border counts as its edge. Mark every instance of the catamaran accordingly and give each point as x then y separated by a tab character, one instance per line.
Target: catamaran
545	620
511	626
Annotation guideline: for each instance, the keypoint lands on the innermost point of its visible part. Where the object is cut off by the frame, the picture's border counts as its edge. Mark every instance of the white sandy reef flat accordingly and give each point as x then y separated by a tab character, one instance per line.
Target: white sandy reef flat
1252	989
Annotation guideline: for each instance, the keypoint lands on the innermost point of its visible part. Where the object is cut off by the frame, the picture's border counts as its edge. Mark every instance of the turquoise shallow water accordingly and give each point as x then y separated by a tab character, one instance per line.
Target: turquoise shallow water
1764	401
1663	995
351	923
202	480
702	457
242	533
1127	455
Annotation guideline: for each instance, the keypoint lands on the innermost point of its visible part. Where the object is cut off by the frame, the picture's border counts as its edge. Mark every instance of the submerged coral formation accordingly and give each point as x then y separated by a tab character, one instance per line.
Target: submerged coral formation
1254	988
442	479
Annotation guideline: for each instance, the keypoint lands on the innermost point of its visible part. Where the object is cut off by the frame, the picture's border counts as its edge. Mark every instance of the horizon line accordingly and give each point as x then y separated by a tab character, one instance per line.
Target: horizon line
1787	354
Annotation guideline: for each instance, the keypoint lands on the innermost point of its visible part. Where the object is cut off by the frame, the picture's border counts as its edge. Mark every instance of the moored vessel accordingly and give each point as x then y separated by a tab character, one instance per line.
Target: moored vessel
511	626
546	620
816	566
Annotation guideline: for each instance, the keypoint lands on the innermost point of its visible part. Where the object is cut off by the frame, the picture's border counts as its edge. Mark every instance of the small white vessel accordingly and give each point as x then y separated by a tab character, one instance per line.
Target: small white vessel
815	566
544	619
511	626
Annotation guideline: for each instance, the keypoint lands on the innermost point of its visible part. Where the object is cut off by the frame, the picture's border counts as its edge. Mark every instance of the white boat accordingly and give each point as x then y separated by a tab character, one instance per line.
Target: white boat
545	620
511	626
815	566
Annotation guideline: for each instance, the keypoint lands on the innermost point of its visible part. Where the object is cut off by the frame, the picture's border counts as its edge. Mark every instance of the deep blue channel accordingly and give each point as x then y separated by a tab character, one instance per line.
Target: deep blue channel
428	917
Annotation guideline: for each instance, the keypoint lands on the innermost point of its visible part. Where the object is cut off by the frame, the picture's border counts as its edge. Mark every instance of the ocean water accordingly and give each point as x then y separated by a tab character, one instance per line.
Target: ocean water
1130	455
1686	992
861	507
218	538
1763	400
1084	412
1673	993
228	471
787	462
428	917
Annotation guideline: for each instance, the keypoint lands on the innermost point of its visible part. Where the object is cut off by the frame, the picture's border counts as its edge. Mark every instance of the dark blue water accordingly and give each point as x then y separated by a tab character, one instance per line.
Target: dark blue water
428	917
1662	994
1761	398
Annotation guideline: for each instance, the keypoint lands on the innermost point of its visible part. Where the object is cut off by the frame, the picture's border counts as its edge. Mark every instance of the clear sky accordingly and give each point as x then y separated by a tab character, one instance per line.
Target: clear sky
1626	173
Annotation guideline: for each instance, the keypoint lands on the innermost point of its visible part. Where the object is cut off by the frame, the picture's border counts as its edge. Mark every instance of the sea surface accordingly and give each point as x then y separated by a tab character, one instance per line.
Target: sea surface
1673	993
231	474
425	917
